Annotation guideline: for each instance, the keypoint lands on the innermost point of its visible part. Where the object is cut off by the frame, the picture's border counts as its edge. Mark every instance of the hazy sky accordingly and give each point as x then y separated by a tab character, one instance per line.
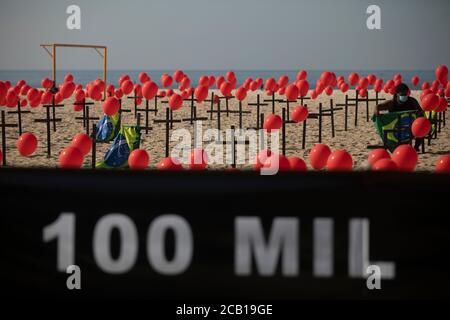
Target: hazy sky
228	34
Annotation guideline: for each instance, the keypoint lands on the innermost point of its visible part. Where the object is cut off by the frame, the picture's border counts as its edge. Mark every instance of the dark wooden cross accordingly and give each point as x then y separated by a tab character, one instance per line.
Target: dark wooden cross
193	118
147	110
169	123
233	142
5	125
19	116
273	100
86	118
258	105
288	103
218	111
146	127
49	120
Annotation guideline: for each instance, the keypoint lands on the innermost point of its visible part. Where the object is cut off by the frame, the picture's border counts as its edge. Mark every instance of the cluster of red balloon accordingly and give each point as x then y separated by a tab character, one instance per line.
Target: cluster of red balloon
404	158
321	156
434	97
72	157
268	159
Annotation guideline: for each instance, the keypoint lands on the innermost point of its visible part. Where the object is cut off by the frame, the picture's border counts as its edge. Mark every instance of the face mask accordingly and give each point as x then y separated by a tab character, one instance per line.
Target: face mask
402	99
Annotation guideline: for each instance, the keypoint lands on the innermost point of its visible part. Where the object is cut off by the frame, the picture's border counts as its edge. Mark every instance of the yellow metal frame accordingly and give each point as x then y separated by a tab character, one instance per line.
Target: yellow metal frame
52	54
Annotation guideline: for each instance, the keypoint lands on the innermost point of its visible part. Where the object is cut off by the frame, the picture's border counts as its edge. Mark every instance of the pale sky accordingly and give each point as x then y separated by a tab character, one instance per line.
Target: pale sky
228	34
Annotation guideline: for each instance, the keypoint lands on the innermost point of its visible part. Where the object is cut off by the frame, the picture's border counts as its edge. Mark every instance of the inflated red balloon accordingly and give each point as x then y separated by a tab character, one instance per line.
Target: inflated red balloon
430	102
283	80
319	155
278	161
415	80
111	106
83	142
138	159
23	103
291	92
79	95
201	93
421	127
123	78
198	159
68	78
70	158
230	76
340	160
143	77
302	75
405	157
344	87
169	164
166	80
385	164
272	122
261	158
127	87
67	89
363	83
270	84
46	83
226	88
32	94
241	93
353	79
443	164
175	101
303	87
378	154
149	90
77	107
329	90
442	74
27	144
299	114
297	164
442	106
95	92
46	97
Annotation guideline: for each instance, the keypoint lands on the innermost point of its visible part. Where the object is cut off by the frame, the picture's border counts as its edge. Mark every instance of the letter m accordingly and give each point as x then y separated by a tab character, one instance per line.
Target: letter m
250	241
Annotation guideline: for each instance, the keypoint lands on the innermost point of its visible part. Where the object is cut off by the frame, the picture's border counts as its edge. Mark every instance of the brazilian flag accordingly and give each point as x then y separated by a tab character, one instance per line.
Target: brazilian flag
127	140
107	128
400	123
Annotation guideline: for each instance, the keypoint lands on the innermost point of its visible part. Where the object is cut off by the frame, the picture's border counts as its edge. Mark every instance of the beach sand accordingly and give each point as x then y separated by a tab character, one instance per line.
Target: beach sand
355	140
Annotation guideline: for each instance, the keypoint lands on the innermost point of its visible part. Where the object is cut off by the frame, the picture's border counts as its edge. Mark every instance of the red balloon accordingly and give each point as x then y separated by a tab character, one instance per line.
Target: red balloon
340	160
83	142
143	77
32	94
23	103
319	155
149	90
344	87
430	102
231	77
291	92
353	78
138	159
299	114
95	92
241	93
272	122
70	158
278	161
46	97
80	95
303	87
442	74
118	93
175	101
377	155
363	83
67	89
166	80
297	164
421	127
385	164
27	144
329	90
226	88
77	107
270	84
127	87
46	83
198	159
201	93
415	80
405	157
68	78
302	75
123	78
283	81
443	164
443	104
203	81
169	164
261	158
111	106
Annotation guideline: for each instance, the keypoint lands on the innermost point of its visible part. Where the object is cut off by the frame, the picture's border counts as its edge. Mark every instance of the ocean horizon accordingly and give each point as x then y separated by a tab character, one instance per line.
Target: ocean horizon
34	77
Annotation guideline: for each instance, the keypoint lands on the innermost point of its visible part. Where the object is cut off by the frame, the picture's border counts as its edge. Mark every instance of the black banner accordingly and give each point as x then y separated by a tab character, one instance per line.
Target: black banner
224	235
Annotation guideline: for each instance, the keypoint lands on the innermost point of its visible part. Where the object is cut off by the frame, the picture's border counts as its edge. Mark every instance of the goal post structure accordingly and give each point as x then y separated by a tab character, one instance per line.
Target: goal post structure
51	50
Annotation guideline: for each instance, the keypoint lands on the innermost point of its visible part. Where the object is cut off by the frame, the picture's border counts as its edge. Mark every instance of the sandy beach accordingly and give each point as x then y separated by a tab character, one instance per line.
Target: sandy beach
355	140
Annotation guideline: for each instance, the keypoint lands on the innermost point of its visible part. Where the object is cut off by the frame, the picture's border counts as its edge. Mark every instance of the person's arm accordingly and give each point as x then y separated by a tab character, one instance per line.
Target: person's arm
387	105
417	107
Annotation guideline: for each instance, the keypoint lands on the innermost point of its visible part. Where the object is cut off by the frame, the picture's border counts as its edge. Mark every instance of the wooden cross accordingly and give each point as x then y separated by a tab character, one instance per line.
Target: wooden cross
194	117
86	118
287	105
49	120
138	122
273	100
233	142
19	116
5	125
169	122
218	111
147	110
258	105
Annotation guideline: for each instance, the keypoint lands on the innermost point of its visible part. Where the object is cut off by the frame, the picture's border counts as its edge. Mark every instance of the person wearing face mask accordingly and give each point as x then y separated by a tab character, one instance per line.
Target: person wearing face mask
402	102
